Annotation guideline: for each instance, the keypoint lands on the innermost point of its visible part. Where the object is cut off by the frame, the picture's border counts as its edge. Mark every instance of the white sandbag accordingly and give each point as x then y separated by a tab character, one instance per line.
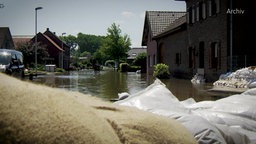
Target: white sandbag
155	96
228	120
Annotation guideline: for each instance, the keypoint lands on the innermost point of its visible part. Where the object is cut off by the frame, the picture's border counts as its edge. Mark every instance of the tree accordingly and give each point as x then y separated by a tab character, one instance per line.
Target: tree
89	43
116	45
141	60
71	41
83	43
28	51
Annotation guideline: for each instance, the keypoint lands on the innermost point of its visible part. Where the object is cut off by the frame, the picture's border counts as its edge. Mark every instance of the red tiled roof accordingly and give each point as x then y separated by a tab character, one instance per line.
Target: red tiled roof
160	20
156	22
51	41
20	39
173	26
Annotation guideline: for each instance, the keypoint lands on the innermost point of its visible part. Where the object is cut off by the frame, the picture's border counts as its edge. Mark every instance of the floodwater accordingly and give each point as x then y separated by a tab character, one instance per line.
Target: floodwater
107	84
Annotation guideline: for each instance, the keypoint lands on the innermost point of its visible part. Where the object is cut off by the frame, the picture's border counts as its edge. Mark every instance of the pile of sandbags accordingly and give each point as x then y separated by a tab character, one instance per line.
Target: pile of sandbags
228	120
242	78
31	113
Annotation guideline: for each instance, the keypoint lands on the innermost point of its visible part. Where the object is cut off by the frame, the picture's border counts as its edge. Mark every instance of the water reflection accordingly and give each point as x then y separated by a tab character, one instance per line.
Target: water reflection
103	84
107	84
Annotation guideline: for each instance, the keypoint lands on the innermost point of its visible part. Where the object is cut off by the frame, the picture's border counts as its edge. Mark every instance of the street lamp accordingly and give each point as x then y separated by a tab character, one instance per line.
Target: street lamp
62	49
36	9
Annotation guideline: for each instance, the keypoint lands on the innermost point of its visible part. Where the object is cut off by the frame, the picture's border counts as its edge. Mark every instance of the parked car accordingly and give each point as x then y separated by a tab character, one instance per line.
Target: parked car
11	62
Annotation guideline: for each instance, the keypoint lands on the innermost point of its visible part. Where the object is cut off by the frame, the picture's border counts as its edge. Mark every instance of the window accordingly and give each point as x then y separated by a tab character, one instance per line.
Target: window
201	54
213	7
215	60
197	12
154	59
203	11
189	15
178	58
150	61
193	15
200	11
217	6
191	57
20	58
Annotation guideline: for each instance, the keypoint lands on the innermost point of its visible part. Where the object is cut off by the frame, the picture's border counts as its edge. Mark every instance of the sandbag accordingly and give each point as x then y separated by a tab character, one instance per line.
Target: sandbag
31	113
222	121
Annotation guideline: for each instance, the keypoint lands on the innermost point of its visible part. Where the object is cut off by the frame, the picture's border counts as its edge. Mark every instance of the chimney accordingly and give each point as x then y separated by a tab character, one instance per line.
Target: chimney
47	29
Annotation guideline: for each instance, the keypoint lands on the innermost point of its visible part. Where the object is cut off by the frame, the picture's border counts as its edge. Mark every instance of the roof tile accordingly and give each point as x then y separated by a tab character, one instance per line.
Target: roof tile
160	20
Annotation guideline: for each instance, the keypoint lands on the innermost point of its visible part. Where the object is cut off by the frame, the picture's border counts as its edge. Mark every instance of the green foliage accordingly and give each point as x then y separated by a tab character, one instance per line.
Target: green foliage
85	54
85	42
59	70
161	71
116	46
124	67
28	51
89	43
100	56
133	68
141	60
71	41
110	63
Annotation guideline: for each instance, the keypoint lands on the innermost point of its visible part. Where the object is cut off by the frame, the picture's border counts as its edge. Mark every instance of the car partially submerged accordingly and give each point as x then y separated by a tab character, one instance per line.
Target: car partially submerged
11	62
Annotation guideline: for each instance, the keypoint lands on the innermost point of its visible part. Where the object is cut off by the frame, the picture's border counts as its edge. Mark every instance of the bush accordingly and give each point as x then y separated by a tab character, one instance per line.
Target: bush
59	70
124	67
161	71
110	63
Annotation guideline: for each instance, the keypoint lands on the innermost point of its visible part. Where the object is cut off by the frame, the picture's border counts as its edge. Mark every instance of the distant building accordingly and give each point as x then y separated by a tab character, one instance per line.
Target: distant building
133	53
6	41
59	51
19	39
214	37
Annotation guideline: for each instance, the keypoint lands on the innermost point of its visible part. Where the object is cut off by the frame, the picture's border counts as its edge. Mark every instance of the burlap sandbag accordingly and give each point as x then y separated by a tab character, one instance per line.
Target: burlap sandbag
31	113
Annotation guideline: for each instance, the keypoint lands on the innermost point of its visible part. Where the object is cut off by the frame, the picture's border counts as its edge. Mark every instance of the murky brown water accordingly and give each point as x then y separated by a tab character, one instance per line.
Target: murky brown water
107	84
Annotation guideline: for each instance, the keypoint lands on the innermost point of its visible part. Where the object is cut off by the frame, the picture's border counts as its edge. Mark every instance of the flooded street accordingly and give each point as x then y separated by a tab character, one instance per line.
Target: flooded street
107	84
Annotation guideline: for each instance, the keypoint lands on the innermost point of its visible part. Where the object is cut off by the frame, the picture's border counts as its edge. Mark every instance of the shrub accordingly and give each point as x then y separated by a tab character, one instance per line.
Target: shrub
124	67
161	71
110	63
59	70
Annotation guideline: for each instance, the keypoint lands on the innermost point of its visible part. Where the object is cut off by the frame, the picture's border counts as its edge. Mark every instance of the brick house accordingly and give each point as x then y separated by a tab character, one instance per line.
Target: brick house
20	39
59	51
172	48
220	35
216	37
133	53
155	23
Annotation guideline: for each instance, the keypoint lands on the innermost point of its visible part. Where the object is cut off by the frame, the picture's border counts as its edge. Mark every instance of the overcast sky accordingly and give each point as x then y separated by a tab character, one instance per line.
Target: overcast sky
86	16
